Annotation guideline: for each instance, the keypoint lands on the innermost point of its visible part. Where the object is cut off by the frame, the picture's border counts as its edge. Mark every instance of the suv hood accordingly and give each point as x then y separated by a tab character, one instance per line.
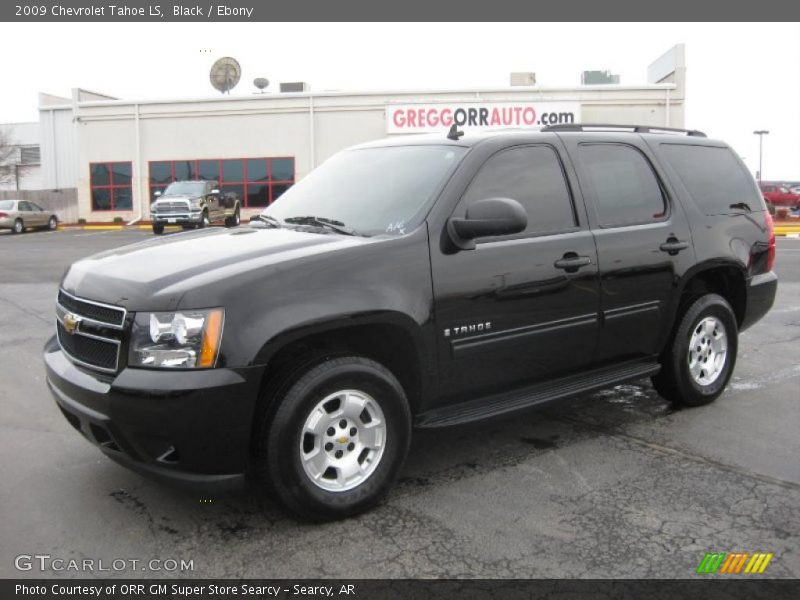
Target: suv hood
156	274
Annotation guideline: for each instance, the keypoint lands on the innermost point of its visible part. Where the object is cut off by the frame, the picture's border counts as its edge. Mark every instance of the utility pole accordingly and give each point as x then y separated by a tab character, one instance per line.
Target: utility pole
760	133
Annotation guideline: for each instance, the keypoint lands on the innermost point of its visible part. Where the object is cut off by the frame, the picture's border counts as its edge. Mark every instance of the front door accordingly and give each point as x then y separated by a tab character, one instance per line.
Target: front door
521	308
643	242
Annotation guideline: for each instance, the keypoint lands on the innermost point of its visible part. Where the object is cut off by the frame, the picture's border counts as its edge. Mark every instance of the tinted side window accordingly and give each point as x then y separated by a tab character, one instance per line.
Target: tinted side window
24	206
626	190
532	176
713	177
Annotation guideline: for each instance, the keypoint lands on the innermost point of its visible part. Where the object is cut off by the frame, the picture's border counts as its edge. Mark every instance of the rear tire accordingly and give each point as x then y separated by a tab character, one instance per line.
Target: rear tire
700	358
19	226
52	224
336	440
158	229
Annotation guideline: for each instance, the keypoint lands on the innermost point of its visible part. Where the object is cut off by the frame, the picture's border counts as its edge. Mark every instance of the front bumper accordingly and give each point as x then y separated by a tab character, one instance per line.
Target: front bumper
187	218
189	428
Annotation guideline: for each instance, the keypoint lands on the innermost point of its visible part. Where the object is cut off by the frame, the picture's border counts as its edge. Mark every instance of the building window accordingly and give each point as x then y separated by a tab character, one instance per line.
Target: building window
111	185
257	181
29	155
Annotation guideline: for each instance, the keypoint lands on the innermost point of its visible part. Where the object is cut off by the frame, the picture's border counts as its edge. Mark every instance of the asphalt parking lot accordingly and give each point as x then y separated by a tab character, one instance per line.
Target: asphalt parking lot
617	484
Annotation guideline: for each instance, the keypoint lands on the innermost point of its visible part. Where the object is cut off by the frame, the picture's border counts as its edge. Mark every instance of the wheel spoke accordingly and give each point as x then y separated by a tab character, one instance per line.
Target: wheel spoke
353	404
372	436
316	463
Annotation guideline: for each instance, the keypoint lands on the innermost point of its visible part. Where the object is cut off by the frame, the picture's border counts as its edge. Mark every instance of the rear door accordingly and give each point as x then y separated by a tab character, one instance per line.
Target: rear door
38	215
643	241
29	217
520	308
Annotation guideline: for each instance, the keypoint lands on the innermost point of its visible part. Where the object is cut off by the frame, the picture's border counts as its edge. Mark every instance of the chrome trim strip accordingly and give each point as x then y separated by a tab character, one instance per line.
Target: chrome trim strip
631	309
111	306
460	345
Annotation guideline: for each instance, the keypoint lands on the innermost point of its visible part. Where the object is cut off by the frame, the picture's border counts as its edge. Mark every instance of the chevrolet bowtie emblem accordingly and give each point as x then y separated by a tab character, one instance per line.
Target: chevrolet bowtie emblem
71	322
342	440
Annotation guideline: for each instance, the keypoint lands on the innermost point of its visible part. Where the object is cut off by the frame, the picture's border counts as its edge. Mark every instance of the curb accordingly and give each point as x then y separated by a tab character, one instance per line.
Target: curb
109	227
786	230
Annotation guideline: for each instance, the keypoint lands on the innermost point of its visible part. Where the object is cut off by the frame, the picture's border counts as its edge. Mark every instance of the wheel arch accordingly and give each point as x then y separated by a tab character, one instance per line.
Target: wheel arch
726	278
391	338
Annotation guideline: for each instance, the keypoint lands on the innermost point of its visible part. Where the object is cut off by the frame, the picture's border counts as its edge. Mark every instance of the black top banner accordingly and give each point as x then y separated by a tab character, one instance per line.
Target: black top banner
405	10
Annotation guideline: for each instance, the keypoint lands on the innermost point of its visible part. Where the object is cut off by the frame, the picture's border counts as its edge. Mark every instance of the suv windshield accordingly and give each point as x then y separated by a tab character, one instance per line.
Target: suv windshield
371	190
185	188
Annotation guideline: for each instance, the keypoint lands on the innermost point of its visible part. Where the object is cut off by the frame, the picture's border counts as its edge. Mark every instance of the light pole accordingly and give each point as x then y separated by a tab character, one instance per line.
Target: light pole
760	133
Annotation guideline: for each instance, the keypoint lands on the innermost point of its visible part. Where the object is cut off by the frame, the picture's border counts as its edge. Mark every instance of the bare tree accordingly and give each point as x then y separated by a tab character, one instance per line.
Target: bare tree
8	150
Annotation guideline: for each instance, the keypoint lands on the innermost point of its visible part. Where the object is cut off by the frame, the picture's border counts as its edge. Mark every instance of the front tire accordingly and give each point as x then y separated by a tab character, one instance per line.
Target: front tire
334	444
204	221
52	224
234	220
18	227
701	356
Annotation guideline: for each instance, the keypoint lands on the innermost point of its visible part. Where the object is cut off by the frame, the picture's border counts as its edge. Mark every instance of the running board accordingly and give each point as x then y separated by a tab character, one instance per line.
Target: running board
517	400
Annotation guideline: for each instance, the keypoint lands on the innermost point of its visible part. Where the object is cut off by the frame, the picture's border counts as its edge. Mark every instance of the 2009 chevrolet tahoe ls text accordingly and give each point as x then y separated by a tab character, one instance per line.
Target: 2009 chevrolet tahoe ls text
416	282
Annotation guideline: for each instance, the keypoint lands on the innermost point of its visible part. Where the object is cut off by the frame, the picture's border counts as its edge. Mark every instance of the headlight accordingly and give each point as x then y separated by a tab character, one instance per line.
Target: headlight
195	202
153	207
187	339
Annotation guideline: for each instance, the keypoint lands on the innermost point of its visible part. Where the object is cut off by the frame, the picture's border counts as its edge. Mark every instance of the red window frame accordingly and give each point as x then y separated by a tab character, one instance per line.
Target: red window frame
221	181
111	186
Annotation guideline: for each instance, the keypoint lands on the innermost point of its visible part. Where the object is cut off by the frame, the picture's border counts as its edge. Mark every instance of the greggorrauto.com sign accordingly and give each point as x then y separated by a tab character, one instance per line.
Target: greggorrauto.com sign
424	118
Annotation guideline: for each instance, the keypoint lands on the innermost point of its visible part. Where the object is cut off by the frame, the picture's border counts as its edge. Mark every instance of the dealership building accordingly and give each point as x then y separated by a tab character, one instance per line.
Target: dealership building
113	154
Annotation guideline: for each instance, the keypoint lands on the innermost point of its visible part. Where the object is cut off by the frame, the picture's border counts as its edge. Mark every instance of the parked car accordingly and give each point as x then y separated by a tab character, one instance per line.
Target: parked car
18	215
194	204
780	195
414	282
795	190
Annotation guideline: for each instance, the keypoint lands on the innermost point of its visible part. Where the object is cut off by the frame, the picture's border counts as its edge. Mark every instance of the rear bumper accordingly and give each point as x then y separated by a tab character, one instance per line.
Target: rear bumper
761	290
188	428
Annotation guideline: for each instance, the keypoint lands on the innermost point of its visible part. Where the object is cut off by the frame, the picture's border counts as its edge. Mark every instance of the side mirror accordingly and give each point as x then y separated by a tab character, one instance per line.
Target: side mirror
157	193
486	218
257	223
215	191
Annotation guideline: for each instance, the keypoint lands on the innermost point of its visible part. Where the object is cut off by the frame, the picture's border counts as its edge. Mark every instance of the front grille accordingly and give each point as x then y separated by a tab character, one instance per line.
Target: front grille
90	333
91	351
171	207
102	313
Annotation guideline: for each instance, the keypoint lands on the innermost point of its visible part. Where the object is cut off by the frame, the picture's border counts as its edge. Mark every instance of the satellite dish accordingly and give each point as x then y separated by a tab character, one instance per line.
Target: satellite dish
261	83
225	74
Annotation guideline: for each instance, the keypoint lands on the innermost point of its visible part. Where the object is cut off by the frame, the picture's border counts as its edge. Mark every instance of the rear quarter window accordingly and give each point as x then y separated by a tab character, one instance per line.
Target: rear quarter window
713	176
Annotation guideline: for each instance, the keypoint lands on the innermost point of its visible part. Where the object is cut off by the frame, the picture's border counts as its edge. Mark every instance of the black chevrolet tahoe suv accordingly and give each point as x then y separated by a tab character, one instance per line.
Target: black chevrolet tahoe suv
193	204
416	282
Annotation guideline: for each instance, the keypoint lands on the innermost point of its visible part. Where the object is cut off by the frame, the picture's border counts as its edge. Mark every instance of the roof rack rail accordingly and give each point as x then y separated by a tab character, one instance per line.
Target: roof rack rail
610	127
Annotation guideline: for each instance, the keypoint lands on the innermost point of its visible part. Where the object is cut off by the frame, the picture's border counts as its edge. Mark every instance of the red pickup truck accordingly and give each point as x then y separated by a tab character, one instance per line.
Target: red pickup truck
779	195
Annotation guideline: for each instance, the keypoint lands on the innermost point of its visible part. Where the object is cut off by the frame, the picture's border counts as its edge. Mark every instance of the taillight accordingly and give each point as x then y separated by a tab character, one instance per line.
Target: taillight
771	234
3	215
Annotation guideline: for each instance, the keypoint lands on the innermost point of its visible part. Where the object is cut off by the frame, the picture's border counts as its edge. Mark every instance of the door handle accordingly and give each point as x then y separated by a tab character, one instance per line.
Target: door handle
673	245
571	262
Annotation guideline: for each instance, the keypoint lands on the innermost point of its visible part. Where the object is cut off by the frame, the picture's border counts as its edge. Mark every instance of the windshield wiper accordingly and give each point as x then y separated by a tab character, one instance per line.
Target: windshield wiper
331	224
269	220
